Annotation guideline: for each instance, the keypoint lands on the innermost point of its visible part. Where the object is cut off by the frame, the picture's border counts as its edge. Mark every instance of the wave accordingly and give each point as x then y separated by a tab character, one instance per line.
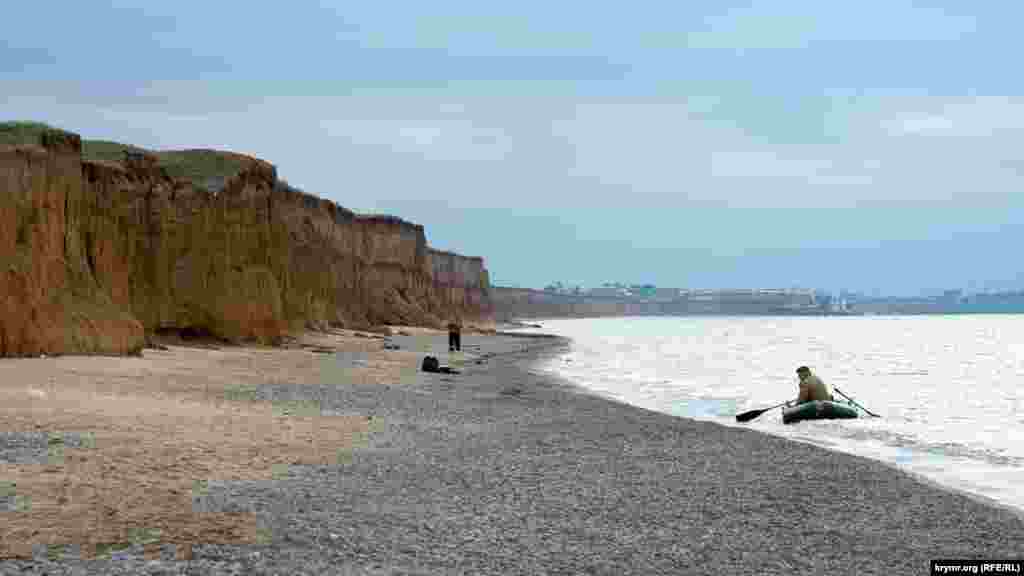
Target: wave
893	439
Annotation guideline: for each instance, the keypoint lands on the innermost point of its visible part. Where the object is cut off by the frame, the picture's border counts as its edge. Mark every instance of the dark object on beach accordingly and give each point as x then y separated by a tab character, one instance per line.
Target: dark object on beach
750	415
818	410
430	364
390	346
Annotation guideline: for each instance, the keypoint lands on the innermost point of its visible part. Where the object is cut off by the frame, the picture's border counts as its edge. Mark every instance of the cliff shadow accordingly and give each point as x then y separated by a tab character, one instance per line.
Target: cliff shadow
187	336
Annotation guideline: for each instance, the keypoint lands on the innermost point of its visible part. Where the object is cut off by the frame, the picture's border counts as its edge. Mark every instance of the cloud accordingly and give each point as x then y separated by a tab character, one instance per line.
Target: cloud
924	125
797	24
660	150
968	118
490	152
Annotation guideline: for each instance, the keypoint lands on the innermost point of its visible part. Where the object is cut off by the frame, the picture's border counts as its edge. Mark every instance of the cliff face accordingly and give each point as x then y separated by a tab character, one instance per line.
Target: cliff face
49	301
461	283
97	253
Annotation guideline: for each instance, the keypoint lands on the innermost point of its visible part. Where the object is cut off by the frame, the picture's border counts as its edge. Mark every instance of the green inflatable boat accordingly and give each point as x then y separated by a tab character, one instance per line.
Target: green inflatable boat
818	410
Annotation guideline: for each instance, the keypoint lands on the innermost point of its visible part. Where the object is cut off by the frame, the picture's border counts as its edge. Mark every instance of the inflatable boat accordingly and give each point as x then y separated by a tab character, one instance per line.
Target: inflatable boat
818	410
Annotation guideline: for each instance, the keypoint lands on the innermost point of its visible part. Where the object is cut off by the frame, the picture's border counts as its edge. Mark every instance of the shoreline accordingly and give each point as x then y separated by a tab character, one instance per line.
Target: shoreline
892	468
504	470
1017	510
919	476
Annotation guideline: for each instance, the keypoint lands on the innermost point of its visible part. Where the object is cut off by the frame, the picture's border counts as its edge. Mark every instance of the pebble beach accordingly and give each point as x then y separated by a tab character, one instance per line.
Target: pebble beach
501	469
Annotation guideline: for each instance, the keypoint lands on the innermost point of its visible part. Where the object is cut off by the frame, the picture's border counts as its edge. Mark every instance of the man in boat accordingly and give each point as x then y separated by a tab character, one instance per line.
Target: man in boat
811	387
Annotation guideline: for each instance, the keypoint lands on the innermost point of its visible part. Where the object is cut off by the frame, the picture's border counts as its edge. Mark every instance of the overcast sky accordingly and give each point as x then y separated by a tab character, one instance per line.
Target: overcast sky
871	145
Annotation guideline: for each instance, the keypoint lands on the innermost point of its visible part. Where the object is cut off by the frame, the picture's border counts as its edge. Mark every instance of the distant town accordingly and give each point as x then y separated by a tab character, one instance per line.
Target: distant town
792	300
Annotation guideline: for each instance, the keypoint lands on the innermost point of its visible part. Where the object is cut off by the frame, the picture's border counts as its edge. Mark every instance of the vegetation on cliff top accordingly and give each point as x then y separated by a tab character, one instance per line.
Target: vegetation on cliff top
105	151
23	133
206	168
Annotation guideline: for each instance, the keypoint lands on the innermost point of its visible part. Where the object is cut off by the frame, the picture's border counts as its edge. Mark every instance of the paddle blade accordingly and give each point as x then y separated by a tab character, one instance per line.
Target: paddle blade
750	415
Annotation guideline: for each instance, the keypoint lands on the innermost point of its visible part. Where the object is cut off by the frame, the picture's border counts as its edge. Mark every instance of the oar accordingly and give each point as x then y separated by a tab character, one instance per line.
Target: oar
748	416
854	402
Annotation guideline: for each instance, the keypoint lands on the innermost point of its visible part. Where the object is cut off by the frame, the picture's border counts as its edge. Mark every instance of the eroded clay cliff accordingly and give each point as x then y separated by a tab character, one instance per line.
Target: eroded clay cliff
96	254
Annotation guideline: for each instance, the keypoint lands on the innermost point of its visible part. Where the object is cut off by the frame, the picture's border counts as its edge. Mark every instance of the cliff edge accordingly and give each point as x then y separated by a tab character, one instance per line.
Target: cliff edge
97	252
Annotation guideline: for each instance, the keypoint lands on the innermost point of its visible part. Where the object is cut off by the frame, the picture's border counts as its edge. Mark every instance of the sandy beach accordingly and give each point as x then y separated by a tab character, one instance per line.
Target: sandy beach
338	456
99	451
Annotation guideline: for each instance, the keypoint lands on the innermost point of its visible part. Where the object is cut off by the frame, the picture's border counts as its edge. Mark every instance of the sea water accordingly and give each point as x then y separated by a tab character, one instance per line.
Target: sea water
949	389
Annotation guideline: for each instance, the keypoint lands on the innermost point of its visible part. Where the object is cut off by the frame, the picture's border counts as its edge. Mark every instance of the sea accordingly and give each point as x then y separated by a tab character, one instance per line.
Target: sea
949	390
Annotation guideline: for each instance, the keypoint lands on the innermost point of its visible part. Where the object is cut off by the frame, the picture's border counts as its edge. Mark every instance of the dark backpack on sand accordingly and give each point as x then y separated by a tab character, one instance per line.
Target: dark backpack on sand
431	364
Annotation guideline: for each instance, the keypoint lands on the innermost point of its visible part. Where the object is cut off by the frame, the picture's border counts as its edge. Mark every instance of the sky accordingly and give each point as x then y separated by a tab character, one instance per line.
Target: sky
872	146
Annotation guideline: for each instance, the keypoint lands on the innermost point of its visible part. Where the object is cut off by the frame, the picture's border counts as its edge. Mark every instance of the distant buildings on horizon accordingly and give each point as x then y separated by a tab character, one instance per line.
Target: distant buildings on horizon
803	299
623	289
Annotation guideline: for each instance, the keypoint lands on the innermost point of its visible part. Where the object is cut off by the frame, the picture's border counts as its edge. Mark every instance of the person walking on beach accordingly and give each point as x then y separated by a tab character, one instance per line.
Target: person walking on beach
455	335
811	387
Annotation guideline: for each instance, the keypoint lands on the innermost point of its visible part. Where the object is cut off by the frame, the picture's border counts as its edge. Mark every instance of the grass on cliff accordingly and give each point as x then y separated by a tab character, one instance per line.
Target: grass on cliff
207	168
105	151
23	133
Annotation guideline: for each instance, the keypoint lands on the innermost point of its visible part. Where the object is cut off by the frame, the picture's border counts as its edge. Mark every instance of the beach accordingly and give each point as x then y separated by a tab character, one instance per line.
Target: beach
945	388
335	455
